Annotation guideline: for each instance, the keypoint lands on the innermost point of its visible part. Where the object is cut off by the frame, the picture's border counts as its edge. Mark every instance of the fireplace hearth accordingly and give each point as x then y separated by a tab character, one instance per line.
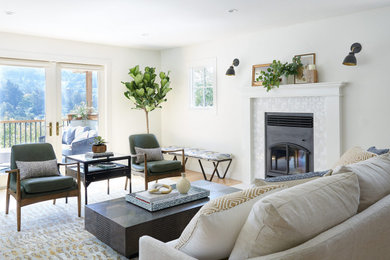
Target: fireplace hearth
289	144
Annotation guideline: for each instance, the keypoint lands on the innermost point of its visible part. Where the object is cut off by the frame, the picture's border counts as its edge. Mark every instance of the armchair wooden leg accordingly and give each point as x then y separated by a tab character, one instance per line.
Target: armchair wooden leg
146	184
79	205
18	213
7	202
127	179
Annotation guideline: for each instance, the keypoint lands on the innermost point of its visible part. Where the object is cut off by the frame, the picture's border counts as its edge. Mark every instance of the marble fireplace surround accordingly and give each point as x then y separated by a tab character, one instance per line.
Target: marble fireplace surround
321	99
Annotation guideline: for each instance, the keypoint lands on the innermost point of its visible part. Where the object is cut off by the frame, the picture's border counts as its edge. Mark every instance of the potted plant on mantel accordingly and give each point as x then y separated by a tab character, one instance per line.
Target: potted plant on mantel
144	92
272	77
99	145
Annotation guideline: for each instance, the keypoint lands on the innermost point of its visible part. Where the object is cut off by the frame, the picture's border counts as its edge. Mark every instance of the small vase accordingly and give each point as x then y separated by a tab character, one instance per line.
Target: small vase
183	185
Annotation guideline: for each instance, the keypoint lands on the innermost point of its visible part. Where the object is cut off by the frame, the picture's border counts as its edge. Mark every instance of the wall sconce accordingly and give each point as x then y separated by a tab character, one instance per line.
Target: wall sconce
350	60
230	71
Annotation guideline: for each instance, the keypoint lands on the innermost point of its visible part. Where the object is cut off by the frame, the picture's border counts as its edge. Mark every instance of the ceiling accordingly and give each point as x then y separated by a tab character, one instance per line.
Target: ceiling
161	24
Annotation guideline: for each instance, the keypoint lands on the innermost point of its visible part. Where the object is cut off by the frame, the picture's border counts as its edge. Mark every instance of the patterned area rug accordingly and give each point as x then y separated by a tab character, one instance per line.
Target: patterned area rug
54	231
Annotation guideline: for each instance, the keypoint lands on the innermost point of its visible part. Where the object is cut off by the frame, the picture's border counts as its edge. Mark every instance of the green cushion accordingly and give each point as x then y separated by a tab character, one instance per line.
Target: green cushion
46	184
164	166
142	141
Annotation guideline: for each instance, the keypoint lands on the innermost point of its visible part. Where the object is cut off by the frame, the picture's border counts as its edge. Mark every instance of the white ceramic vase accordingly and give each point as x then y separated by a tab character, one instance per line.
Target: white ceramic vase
183	185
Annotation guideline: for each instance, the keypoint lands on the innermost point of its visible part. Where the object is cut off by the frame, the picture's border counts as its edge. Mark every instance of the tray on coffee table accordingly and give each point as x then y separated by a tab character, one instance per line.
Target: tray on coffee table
195	193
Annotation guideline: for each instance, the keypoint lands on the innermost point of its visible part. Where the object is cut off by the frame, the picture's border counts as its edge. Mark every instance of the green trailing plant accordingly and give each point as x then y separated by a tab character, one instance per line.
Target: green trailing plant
272	76
144	92
98	140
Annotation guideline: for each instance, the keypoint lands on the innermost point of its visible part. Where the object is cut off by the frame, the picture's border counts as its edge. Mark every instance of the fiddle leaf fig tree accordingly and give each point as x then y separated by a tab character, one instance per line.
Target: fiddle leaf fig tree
144	92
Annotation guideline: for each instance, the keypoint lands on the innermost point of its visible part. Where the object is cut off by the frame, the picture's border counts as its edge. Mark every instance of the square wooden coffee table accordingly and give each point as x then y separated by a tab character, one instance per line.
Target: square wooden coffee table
120	224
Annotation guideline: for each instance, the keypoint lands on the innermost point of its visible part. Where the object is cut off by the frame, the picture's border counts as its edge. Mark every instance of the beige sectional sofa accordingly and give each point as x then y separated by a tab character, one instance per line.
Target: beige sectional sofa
343	216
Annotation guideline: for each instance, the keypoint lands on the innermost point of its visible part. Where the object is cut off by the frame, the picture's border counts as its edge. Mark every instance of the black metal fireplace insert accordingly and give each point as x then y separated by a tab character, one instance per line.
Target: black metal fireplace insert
289	143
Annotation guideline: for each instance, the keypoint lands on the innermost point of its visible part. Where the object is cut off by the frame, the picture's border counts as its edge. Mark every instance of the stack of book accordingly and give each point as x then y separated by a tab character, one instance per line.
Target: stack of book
147	197
98	155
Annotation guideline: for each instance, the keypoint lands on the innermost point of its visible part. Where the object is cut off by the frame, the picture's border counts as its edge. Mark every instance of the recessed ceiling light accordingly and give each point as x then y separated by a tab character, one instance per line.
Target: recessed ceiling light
145	34
9	12
232	10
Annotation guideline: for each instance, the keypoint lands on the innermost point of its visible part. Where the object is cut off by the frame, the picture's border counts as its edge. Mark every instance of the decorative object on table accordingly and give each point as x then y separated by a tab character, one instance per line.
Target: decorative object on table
144	92
99	145
231	71
156	189
99	155
306	60
350	60
271	77
194	193
183	185
311	74
256	73
106	165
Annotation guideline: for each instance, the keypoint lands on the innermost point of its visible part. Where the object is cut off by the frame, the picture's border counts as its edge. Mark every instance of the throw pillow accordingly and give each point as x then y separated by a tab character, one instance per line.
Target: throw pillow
213	230
152	154
81	136
354	155
37	169
377	151
290	217
70	134
374	178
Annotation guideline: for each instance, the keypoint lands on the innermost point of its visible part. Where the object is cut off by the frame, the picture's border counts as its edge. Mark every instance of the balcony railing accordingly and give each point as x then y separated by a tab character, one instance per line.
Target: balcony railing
23	131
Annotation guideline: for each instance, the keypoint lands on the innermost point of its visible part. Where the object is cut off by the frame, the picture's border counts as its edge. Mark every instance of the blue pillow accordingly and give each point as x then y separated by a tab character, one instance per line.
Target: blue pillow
293	177
70	133
377	151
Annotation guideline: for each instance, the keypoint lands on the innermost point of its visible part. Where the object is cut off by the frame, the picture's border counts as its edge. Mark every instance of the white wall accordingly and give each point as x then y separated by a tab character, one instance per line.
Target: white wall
366	97
123	121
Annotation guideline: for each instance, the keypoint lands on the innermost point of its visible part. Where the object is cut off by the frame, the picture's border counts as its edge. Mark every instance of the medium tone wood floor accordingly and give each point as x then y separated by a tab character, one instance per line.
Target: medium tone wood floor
194	176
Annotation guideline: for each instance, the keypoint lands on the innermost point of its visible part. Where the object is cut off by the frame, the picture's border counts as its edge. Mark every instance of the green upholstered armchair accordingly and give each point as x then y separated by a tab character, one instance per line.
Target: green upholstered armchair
153	170
32	190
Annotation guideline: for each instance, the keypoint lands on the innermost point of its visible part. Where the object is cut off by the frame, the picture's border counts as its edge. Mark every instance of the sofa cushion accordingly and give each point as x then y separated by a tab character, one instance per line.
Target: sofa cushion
159	166
37	169
45	184
353	155
213	230
152	154
377	151
290	217
374	178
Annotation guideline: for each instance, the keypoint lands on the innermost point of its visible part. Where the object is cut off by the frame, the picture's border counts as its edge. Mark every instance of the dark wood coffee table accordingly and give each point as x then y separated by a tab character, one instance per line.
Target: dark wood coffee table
120	224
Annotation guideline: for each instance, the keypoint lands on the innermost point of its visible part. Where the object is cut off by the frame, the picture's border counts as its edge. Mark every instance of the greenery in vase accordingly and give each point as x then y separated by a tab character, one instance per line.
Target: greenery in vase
82	111
144	92
272	76
98	140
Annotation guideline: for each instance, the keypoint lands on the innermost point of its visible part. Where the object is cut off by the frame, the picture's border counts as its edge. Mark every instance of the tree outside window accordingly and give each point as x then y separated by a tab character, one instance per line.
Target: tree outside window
202	85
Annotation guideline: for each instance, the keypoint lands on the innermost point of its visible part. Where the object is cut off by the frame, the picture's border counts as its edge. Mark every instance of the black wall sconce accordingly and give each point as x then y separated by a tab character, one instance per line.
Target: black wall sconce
230	71
350	60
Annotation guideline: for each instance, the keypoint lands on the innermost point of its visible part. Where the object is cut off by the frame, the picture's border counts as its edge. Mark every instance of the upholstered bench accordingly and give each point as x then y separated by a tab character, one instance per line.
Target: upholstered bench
200	154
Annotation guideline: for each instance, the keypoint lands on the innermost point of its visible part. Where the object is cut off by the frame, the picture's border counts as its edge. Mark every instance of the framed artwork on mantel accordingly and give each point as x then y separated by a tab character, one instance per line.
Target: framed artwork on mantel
256	73
306	59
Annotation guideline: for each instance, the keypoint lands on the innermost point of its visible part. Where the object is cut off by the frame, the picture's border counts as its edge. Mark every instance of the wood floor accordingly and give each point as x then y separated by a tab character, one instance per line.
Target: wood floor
194	176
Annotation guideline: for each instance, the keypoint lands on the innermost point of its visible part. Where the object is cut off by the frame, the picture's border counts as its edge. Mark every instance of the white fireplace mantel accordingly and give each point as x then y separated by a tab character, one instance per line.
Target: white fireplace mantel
330	93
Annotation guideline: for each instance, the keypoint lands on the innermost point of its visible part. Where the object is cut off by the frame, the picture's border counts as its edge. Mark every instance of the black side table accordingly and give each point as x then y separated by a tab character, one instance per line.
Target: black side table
90	172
